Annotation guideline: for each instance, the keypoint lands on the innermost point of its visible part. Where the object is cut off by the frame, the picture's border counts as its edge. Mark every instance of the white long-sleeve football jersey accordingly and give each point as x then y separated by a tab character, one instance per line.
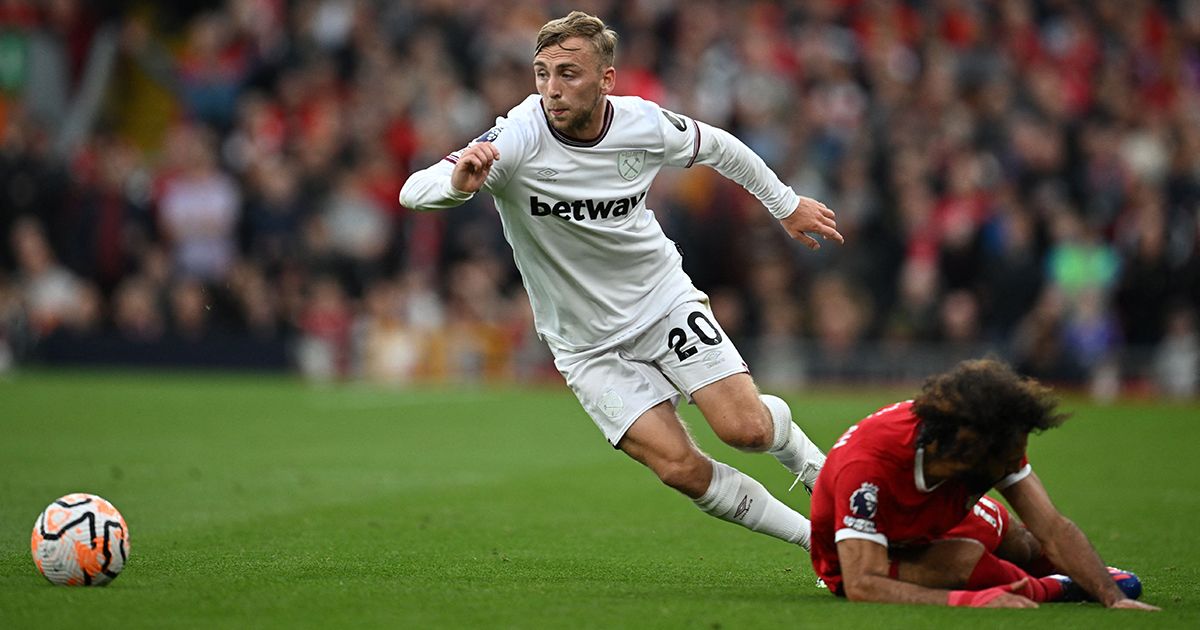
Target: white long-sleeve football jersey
592	256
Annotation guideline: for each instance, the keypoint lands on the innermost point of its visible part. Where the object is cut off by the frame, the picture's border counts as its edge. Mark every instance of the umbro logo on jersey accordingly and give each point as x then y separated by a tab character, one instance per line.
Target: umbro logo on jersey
546	175
582	209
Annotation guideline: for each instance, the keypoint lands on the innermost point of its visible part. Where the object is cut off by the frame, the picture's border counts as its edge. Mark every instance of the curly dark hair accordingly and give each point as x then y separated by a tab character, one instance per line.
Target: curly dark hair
986	397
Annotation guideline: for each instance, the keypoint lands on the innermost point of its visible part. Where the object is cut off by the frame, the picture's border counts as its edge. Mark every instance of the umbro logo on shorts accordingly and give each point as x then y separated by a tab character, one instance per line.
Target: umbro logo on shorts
710	358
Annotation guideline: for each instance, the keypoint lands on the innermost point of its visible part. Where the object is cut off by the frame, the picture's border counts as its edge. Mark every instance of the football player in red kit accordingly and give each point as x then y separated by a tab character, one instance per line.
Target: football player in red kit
899	515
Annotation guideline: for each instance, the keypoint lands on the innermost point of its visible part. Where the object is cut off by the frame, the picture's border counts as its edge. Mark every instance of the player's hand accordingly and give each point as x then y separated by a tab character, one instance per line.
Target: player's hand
473	167
1133	604
1010	600
811	216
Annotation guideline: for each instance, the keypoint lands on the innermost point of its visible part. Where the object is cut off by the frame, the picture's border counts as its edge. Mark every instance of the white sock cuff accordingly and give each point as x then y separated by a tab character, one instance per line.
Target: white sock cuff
781	420
722	491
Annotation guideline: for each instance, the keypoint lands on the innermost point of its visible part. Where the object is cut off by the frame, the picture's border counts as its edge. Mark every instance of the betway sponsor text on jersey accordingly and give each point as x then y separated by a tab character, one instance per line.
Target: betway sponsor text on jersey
584	209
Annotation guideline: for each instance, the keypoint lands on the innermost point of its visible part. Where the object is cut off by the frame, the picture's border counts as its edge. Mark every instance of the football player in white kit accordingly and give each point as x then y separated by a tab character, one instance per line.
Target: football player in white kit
569	169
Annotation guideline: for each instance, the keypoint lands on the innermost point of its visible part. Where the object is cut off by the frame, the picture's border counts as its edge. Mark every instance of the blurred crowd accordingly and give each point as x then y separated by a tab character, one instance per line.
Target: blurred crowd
1017	177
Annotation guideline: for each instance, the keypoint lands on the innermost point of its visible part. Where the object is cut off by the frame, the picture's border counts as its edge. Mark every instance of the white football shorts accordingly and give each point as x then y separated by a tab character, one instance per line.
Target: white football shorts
680	353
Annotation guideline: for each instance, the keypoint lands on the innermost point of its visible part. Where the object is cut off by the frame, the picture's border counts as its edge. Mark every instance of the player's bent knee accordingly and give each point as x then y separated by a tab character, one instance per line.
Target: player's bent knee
1019	546
752	432
959	565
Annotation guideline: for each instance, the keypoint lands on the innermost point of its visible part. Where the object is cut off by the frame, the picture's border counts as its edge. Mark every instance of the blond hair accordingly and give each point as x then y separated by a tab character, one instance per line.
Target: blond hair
580	24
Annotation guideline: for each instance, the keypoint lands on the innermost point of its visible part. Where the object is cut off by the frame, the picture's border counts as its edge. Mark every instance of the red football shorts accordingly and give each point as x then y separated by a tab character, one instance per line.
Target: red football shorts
986	523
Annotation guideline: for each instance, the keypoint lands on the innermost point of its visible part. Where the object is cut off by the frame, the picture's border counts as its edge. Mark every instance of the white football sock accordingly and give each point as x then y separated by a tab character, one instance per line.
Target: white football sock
791	446
736	497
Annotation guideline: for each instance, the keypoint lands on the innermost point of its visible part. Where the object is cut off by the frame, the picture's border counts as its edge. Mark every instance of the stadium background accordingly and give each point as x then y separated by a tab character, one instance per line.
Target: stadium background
212	184
206	183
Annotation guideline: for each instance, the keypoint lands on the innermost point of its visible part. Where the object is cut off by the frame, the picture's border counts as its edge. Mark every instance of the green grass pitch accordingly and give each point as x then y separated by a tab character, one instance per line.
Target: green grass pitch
264	502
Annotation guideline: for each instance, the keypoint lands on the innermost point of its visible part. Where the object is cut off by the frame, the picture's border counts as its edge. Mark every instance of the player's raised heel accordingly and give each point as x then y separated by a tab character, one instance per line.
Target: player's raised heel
809	471
1127	581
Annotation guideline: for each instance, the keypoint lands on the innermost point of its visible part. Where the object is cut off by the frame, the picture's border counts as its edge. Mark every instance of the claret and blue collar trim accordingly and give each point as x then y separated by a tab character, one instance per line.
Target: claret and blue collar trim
582	144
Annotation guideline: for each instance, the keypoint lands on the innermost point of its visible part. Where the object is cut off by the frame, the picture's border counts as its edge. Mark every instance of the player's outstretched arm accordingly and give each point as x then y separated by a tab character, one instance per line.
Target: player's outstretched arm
865	578
812	216
452	180
800	216
1065	544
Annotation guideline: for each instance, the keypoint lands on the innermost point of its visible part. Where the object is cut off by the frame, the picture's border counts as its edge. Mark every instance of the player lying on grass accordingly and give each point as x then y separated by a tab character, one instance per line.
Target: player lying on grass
570	168
899	513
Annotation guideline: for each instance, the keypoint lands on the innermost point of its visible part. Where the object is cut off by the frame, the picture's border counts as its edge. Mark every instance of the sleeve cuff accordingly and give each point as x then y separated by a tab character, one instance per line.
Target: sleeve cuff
846	533
456	194
785	210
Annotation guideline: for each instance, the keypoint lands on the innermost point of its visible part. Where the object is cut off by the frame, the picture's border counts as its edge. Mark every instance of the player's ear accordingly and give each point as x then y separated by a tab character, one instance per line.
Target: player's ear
608	80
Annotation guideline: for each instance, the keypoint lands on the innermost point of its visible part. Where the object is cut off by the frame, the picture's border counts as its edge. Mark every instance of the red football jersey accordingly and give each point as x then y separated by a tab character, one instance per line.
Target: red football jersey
873	487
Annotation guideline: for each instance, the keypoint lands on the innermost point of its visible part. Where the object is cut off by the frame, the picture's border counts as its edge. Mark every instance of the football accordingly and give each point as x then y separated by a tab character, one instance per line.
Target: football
80	540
